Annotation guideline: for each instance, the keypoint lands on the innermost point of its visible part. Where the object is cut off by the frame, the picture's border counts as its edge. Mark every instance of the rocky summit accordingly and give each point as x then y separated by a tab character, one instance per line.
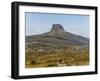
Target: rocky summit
57	28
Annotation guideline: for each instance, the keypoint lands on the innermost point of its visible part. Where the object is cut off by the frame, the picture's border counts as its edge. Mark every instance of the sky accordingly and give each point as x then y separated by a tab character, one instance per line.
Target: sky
38	23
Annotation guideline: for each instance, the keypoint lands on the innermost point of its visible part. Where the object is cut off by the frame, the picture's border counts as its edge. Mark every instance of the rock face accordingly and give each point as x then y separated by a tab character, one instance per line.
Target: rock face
57	28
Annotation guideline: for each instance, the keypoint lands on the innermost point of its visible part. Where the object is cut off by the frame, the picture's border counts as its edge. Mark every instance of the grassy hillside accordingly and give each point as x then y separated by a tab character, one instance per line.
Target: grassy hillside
56	48
54	57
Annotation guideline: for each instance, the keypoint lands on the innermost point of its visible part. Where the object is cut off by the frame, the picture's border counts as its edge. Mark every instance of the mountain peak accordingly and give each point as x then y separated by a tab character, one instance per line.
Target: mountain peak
58	35
57	28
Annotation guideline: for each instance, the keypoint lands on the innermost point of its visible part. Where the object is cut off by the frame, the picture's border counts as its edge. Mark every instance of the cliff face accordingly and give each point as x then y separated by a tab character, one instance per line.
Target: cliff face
57	28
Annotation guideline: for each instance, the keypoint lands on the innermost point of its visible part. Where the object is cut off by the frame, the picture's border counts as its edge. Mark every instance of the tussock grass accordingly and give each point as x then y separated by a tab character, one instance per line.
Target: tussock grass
54	59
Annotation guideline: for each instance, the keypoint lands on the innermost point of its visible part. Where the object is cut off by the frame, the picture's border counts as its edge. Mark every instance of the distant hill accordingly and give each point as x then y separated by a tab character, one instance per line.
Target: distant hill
57	36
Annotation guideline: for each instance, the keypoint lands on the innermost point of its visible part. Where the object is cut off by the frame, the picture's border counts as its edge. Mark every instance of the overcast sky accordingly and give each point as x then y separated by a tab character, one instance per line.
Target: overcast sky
38	23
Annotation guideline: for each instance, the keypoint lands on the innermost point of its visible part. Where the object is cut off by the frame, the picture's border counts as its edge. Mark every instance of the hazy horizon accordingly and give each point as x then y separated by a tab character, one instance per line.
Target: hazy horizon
38	23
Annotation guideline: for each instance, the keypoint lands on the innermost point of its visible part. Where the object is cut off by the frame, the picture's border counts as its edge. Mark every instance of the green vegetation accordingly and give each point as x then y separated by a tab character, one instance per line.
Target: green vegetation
68	56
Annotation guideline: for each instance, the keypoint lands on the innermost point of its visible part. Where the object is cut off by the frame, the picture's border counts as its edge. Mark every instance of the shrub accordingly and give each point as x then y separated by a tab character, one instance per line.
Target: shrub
51	65
33	61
